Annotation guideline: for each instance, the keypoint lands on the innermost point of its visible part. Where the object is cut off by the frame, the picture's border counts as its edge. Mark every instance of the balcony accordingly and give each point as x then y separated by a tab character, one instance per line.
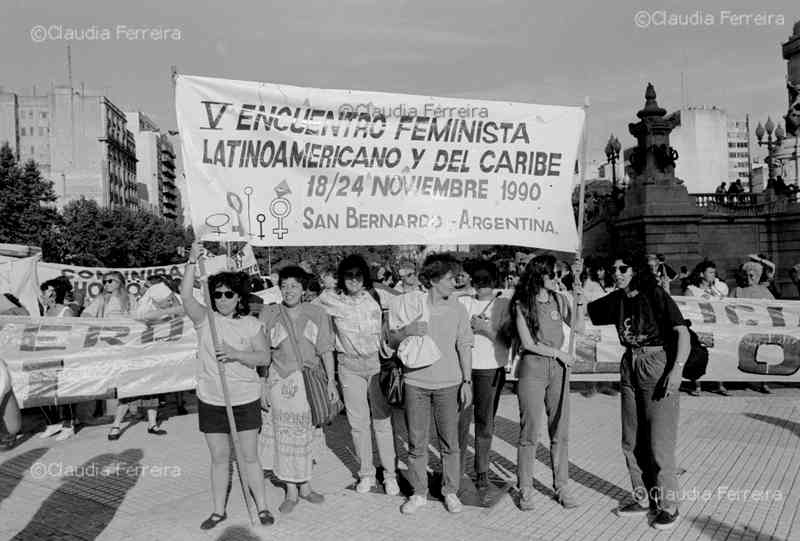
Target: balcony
746	204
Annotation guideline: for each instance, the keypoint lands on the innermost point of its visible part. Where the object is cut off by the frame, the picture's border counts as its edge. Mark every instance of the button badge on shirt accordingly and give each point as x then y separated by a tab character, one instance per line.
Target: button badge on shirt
555	315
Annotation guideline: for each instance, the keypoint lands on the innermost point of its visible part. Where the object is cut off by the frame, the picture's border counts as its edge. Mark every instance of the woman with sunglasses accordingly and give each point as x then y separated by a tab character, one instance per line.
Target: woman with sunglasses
538	313
242	346
647	319
357	325
114	302
295	325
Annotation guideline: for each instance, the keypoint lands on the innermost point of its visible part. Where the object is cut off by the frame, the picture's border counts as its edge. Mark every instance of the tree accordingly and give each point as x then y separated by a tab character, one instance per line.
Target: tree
27	204
119	237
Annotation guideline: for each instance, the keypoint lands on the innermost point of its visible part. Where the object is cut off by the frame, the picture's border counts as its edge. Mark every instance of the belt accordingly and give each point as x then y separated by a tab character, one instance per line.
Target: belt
646	349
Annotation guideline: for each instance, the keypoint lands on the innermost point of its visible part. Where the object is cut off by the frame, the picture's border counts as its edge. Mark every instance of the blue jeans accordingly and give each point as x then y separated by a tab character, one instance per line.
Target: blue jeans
649	427
543	385
442	405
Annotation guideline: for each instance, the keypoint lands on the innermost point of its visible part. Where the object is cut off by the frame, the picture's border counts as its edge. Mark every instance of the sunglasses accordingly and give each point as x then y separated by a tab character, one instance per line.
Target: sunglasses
622	268
227	294
353	276
109	281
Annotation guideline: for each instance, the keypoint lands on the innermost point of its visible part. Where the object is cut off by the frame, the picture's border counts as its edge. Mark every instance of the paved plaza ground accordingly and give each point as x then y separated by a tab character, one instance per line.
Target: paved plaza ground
741	457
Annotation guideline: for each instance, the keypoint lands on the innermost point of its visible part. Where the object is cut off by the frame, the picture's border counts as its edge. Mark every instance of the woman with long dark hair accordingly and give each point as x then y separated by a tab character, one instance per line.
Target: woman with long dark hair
242	347
647	319
537	316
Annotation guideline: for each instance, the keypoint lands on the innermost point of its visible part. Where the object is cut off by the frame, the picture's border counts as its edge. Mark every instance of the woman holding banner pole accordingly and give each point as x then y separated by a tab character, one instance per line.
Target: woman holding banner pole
242	347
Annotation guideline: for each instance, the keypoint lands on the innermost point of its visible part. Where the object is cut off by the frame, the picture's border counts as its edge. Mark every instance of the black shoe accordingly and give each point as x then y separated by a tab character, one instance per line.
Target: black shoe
634	509
114	433
665	520
155	430
213	520
266	518
182	411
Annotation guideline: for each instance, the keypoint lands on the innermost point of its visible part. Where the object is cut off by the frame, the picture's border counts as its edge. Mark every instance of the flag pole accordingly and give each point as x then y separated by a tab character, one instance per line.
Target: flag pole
581	208
237	446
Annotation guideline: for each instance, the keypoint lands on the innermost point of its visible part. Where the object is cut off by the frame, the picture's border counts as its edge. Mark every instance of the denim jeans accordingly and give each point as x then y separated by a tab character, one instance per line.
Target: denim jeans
441	405
543	385
649	427
486	387
364	401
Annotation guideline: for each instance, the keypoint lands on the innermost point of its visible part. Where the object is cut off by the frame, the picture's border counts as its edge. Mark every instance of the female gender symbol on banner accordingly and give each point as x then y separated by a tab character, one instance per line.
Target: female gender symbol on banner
280	208
235	203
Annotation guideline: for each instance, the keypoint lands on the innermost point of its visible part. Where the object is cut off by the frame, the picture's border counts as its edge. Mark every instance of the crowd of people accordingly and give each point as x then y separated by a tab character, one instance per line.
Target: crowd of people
452	333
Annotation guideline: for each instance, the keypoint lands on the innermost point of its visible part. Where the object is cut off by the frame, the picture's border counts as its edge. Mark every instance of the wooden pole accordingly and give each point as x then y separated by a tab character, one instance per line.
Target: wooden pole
237	446
581	207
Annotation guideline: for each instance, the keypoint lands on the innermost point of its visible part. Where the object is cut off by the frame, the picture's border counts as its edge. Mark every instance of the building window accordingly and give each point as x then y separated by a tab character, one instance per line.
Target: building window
41	131
44	115
22	131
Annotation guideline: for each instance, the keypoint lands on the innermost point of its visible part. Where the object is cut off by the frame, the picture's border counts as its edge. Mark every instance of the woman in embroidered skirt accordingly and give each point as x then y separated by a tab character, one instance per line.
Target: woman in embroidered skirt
307	325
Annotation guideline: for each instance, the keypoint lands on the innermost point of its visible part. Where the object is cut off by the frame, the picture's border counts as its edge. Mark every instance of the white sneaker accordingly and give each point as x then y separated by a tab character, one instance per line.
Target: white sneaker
51	430
452	503
414	503
65	433
365	484
391	487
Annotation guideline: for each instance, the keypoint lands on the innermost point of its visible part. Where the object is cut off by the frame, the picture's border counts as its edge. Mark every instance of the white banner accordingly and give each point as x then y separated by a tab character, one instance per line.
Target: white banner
18	277
747	339
283	165
61	360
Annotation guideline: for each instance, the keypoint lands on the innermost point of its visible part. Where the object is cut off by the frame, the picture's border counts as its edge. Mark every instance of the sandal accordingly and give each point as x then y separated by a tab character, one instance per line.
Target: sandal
313	497
155	430
266	518
287	506
114	433
212	521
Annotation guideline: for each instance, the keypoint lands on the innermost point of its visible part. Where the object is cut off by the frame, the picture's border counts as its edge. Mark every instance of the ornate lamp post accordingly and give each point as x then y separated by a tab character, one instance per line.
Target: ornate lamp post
613	148
771	142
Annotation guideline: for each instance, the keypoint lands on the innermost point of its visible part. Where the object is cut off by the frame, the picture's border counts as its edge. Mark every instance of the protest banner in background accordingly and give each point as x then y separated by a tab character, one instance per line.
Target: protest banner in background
747	340
64	360
283	165
19	277
73	359
87	282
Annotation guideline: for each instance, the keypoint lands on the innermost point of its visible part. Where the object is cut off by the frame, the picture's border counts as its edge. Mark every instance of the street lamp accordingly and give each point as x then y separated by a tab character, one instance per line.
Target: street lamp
771	143
613	148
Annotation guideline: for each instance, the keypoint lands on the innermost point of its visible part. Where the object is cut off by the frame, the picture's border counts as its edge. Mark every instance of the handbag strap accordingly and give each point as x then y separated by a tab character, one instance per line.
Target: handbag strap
287	322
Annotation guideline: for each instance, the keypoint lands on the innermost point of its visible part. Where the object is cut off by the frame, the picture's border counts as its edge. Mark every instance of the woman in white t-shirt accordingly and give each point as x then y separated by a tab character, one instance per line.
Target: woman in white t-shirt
489	357
242	346
703	283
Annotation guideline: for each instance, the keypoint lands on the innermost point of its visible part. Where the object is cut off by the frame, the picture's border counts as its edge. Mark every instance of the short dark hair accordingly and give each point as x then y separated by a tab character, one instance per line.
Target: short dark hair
296	272
437	265
353	262
61	288
484	274
236	282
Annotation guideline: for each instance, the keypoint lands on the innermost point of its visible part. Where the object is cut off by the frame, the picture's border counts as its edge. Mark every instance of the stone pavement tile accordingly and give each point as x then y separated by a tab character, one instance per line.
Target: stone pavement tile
739	441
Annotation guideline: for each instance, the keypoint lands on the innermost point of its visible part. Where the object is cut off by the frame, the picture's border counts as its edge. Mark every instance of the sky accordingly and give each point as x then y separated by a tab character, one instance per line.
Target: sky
555	53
